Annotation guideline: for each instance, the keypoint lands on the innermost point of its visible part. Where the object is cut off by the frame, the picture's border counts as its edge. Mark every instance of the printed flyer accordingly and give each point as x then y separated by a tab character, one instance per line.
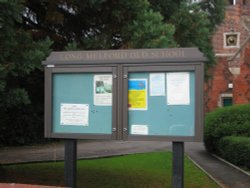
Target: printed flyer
178	92
137	94
74	114
157	84
139	129
103	90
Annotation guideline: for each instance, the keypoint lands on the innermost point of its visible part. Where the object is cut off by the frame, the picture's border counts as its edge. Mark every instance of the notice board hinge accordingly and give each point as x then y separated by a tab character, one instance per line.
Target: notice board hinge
114	76
125	76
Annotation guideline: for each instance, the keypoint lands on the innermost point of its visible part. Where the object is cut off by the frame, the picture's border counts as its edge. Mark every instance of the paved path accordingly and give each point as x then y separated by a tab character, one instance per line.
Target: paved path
224	174
87	149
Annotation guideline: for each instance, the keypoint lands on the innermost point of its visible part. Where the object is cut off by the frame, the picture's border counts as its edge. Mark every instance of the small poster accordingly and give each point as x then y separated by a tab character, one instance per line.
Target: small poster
74	114
157	84
139	129
137	94
103	90
178	92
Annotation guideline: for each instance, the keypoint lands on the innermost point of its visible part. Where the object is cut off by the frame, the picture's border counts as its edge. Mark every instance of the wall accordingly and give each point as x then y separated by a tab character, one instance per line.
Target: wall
231	78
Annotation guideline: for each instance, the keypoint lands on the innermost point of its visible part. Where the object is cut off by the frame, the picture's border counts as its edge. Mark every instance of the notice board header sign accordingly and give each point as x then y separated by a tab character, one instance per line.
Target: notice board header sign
146	94
125	56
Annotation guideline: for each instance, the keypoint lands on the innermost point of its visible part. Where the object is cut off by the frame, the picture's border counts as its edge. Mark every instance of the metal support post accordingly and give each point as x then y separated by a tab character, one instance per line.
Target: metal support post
70	163
178	165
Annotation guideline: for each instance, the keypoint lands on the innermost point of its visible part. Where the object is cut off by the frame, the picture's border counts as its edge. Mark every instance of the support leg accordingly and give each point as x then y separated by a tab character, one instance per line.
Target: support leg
70	163
178	165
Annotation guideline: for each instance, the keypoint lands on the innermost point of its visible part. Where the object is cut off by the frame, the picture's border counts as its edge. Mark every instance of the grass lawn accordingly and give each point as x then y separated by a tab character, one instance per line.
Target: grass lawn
150	170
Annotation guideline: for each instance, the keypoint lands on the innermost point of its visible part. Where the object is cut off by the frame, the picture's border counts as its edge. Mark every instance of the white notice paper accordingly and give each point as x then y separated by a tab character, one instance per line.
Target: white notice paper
178	92
139	129
157	84
74	114
103	90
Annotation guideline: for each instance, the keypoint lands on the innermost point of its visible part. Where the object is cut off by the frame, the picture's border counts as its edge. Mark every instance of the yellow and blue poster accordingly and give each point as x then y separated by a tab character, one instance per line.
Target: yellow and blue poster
137	94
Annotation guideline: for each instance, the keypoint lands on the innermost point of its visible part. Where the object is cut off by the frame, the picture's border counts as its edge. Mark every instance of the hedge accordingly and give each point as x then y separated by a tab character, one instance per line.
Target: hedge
23	124
236	150
228	121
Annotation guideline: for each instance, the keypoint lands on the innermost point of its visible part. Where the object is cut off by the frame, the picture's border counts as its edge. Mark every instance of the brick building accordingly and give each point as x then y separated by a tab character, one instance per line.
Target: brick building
230	82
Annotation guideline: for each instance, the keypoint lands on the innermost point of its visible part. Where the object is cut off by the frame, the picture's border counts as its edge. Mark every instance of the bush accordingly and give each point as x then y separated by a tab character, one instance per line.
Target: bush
228	121
235	150
20	126
23	124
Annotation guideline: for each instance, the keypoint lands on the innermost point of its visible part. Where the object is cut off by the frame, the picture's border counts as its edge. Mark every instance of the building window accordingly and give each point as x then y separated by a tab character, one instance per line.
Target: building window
231	40
226	99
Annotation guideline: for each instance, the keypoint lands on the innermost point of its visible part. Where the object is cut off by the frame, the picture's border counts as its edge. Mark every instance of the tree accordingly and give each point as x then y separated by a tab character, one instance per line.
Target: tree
20	57
105	24
194	22
215	10
193	29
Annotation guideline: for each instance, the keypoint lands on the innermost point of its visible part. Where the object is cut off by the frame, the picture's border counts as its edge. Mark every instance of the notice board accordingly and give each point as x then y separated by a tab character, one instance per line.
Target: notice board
146	94
78	107
81	101
161	111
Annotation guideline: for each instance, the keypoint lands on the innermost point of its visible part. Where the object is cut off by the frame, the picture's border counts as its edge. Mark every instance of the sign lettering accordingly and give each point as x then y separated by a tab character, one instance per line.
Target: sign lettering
121	55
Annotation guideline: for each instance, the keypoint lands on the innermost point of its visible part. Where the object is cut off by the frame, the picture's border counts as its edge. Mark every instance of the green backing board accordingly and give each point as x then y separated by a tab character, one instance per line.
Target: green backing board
162	119
78	88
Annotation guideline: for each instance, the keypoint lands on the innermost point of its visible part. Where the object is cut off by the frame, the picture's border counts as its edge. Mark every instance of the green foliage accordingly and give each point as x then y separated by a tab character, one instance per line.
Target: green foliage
228	121
194	23
148	31
71	46
167	8
126	24
236	150
192	28
20	57
109	24
132	24
20	54
215	10
92	24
